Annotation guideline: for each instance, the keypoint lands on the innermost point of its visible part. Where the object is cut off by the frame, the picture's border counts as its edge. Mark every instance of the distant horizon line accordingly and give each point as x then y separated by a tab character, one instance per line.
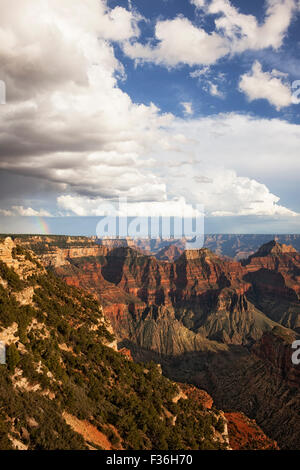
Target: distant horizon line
7	234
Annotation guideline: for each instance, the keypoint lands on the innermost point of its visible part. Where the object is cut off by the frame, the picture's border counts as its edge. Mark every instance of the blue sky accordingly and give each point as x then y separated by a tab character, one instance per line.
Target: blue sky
167	88
171	104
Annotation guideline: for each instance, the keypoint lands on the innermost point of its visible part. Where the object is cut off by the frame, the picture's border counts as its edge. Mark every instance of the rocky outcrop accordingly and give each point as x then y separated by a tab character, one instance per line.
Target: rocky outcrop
282	259
245	434
274	274
273	248
169	253
22	265
198	395
241	246
9	335
276	348
91	435
61	256
126	353
6	248
25	297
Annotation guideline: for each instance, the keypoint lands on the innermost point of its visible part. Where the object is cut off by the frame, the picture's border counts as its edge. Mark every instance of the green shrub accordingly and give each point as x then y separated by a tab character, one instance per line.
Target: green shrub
12	357
12	278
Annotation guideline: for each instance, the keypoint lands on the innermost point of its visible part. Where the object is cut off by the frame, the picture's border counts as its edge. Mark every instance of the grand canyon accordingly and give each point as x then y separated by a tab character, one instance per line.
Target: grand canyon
222	325
150	228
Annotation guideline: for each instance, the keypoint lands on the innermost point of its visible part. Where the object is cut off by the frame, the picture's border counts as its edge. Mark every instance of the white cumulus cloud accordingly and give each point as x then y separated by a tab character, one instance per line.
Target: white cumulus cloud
258	84
84	206
179	41
187	107
244	30
24	212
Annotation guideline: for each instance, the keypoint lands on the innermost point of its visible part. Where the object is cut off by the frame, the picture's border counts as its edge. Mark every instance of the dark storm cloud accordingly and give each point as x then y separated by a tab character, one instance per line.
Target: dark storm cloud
14	187
65	120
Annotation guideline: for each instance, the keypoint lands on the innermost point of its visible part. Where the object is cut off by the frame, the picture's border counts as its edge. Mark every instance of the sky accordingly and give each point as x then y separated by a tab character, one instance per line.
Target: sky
175	106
